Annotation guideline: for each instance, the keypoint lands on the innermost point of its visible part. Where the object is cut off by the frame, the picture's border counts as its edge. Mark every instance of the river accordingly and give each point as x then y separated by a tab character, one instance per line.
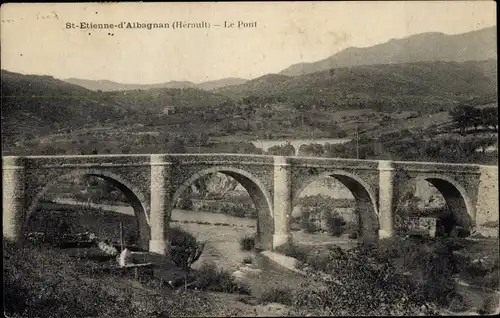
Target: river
222	235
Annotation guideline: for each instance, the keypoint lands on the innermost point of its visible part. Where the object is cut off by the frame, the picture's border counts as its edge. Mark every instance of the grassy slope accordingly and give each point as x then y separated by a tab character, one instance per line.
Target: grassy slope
47	283
36	104
410	86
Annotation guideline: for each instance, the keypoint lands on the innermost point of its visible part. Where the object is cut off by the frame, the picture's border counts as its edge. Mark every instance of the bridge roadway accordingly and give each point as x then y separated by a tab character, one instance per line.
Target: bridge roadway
154	182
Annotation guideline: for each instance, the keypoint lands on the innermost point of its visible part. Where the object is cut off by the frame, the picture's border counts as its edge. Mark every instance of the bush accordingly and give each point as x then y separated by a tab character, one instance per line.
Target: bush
459	303
296	251
282	295
309	227
247	260
209	277
394	277
247	243
308	298
490	305
185	204
335	224
185	249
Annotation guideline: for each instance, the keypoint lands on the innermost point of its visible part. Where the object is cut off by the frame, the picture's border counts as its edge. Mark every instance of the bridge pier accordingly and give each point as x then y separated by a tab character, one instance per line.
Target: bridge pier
13	197
385	198
161	196
282	237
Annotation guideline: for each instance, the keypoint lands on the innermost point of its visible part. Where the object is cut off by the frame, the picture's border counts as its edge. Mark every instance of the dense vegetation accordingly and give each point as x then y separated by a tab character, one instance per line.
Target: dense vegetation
395	277
44	282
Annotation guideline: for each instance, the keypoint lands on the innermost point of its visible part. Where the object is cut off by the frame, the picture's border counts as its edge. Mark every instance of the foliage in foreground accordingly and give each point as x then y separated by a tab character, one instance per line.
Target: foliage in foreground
185	249
214	279
397	277
43	282
247	243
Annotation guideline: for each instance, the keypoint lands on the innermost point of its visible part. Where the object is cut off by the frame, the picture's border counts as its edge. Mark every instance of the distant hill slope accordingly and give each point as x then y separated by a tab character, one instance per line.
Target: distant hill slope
107	86
32	104
394	87
256	86
475	45
157	99
210	85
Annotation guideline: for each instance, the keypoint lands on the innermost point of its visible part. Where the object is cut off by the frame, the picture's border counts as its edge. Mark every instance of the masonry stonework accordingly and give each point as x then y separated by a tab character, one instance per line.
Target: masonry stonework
386	198
487	200
152	183
282	203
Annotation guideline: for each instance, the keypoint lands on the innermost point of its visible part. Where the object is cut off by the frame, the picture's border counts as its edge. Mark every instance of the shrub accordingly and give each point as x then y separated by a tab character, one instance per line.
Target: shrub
309	227
185	249
335	224
490	305
185	204
296	251
209	277
306	224
394	277
282	295
247	260
305	297
459	303
247	243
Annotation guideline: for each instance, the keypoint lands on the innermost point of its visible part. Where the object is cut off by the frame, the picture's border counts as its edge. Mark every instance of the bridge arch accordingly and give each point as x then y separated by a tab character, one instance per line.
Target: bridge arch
456	197
366	202
136	199
257	191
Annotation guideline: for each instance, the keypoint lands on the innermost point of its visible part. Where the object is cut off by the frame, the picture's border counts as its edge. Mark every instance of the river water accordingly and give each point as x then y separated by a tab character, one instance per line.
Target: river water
222	235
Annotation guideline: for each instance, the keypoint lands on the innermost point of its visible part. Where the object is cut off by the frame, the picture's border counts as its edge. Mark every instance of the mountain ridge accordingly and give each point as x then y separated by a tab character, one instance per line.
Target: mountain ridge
421	47
391	84
109	86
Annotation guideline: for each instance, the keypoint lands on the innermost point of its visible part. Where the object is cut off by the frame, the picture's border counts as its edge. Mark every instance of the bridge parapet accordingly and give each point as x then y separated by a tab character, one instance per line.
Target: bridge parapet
219	159
94	161
436	167
333	163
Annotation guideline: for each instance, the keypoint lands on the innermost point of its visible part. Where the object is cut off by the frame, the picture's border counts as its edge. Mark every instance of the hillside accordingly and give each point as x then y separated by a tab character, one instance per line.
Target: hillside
210	85
108	86
156	99
475	45
422	86
255	86
34	104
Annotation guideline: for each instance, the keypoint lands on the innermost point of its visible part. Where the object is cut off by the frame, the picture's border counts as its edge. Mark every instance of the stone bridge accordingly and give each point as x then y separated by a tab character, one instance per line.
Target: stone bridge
153	183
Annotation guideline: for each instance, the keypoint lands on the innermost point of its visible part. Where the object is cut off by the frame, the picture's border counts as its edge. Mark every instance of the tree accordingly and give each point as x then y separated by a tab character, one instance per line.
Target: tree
465	116
282	150
489	117
203	140
312	150
176	145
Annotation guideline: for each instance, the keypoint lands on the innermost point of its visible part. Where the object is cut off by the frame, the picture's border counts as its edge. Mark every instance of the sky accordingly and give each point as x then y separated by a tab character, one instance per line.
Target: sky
35	40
